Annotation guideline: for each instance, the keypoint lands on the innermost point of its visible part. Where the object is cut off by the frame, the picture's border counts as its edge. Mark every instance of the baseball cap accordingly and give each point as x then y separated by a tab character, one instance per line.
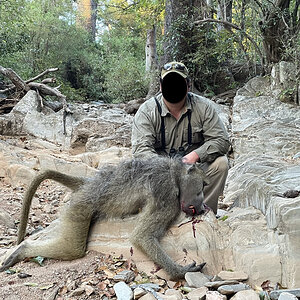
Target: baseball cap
174	67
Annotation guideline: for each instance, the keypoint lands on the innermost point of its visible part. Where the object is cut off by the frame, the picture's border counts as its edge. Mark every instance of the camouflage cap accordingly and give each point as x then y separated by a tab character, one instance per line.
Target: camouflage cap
176	67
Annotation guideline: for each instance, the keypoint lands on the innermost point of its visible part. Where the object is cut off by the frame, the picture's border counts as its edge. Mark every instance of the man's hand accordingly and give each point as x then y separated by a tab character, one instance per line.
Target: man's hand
190	158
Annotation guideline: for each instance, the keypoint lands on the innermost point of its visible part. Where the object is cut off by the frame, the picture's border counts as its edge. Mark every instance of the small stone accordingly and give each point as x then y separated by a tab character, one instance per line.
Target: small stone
123	291
274	295
173	294
287	296
213	295
89	290
138	293
198	294
216	284
246	295
126	276
237	275
148	296
232	289
79	291
196	279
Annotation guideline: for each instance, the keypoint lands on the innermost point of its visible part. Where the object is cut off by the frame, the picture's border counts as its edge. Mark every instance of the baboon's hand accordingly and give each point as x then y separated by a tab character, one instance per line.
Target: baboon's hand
184	269
194	268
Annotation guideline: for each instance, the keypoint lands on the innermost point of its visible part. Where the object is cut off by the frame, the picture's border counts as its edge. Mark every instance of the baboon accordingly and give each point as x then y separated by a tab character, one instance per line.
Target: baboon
157	189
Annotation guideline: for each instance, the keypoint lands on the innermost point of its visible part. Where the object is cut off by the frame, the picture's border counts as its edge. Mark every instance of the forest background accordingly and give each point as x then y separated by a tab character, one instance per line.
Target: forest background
111	50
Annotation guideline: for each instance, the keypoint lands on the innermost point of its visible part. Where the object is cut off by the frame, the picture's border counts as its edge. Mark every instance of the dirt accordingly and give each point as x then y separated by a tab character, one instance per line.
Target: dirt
90	277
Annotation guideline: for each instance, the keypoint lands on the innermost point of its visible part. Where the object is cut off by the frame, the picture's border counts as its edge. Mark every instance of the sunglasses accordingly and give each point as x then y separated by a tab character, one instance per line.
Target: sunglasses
175	66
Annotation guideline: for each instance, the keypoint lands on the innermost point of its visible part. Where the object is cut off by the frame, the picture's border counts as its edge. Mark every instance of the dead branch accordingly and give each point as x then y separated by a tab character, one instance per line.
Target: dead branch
41	88
42	74
15	78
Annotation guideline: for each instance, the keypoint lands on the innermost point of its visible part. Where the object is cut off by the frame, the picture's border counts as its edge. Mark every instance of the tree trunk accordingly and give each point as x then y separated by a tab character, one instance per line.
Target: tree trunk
273	29
152	66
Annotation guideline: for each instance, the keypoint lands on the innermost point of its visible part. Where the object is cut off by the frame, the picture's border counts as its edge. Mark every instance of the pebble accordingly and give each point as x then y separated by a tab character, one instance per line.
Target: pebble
196	279
287	296
237	275
148	296
125	275
123	291
274	295
232	289
245	295
138	293
213	295
216	284
198	294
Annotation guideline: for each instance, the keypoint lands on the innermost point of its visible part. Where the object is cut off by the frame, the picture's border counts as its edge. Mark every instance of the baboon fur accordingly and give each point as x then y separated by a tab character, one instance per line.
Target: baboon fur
157	189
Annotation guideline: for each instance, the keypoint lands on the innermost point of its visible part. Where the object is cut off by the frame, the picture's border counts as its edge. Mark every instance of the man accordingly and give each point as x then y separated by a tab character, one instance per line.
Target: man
182	124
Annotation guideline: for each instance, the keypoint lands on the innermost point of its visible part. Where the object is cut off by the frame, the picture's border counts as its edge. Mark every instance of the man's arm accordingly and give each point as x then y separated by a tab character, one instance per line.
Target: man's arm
216	141
143	136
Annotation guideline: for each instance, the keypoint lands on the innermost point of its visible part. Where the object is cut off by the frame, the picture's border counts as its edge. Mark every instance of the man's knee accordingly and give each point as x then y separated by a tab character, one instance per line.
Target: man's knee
220	165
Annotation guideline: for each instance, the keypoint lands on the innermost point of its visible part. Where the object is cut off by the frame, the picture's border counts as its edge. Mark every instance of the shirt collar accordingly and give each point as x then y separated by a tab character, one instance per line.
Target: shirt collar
164	109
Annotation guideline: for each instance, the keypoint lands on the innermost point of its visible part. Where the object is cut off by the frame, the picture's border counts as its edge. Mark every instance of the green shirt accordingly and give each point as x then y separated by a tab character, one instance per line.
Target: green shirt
205	122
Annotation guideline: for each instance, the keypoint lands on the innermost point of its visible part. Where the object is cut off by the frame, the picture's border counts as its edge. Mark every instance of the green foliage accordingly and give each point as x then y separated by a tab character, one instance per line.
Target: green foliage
124	67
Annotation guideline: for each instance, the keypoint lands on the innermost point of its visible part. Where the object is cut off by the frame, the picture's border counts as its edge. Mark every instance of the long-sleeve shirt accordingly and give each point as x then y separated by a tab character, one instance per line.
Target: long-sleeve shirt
209	136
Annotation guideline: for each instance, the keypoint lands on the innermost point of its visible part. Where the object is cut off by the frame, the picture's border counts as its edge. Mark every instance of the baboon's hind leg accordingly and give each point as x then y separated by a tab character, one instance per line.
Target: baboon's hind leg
66	240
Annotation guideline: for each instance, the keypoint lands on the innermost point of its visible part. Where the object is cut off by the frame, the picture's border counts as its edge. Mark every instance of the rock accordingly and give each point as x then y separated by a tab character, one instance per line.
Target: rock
6	219
287	296
196	279
170	294
213	295
197	294
125	275
216	284
274	295
79	291
245	295
138	293
236	275
232	289
148	296
123	291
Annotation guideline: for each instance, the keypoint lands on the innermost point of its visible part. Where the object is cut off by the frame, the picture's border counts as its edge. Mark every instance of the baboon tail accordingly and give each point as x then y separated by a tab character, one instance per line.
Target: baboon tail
71	182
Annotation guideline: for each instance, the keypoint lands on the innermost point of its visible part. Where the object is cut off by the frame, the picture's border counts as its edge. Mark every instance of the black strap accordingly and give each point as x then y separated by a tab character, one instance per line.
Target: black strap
162	127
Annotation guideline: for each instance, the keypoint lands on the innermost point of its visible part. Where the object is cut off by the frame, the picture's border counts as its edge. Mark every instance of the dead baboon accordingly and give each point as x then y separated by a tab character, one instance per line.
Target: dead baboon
157	189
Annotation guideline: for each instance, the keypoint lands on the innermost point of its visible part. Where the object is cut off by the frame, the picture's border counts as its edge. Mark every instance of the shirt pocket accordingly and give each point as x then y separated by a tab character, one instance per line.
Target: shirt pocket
197	135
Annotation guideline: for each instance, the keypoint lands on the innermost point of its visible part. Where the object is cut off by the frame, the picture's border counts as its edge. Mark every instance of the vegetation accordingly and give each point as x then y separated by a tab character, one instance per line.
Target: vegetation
219	48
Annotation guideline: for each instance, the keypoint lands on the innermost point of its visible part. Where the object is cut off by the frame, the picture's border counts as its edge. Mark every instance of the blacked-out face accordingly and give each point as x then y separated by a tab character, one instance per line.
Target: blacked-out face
191	191
174	87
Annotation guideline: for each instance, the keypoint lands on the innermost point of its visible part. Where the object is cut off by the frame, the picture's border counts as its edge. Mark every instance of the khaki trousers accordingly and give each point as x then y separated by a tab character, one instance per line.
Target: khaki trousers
216	173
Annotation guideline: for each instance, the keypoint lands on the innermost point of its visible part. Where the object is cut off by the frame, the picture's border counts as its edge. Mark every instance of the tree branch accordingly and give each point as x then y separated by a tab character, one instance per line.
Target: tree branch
42	74
231	25
15	78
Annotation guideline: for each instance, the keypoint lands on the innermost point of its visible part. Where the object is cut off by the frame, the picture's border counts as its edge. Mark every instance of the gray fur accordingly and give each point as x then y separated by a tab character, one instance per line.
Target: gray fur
158	189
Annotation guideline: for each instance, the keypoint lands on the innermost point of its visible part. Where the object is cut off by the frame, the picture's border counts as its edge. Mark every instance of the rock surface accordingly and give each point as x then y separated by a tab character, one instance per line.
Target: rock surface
260	232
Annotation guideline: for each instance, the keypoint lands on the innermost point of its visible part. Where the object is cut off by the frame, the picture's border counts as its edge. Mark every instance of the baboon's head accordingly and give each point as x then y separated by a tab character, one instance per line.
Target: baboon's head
191	191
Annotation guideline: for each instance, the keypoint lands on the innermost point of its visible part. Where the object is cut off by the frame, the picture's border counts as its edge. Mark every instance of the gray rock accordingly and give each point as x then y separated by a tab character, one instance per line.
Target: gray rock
246	295
274	295
125	275
196	279
236	275
216	284
214	295
123	291
198	294
232	289
287	296
6	219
